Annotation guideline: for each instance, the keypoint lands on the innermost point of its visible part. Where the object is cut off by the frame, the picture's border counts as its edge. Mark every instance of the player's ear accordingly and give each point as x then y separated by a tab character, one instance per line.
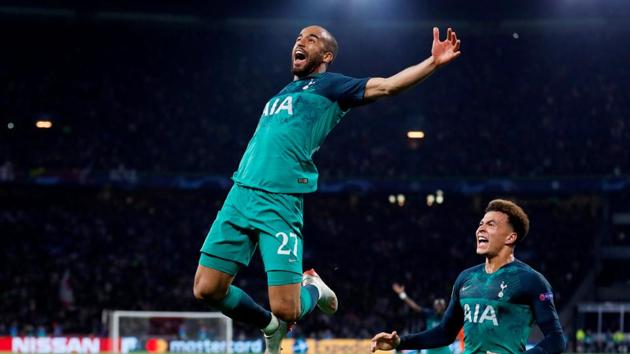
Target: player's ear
511	239
328	57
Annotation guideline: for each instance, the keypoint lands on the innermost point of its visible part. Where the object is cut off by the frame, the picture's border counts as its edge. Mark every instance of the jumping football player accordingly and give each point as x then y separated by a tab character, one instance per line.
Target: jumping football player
264	207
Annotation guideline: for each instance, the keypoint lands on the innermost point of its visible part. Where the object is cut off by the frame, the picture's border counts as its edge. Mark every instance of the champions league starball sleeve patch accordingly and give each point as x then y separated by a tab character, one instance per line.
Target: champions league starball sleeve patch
545	297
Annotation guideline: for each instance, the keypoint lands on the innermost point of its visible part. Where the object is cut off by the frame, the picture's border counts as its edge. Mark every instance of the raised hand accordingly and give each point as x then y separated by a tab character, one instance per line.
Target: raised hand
444	52
398	288
385	341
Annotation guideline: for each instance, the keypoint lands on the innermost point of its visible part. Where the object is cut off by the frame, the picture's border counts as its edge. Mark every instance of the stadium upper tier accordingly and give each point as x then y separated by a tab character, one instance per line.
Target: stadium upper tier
186	100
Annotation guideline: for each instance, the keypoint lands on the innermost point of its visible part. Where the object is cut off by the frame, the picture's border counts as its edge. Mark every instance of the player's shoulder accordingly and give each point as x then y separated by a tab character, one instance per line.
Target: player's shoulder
529	273
337	87
468	272
474	269
332	75
525	268
465	275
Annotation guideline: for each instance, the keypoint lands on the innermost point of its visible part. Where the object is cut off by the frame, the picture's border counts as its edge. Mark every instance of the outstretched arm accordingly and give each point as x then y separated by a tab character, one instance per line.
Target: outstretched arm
400	290
442	52
439	336
442	335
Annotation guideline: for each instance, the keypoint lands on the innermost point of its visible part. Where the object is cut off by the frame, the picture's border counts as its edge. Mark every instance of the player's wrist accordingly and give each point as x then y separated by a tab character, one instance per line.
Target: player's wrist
432	62
402	295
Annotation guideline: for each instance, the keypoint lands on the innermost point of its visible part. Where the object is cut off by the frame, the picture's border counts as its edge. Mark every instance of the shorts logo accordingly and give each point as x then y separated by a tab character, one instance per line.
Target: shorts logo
545	297
302	180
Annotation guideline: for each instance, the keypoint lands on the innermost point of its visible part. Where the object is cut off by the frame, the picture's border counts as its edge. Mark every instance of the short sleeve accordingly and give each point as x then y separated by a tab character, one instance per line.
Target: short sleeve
345	90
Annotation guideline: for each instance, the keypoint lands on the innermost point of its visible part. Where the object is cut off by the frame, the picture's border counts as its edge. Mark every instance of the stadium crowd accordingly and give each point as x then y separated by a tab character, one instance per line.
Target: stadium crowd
169	99
105	249
178	100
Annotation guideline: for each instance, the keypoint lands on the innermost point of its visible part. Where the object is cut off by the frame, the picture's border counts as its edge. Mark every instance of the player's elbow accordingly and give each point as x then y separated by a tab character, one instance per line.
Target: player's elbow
389	89
563	344
379	87
552	344
558	343
394	89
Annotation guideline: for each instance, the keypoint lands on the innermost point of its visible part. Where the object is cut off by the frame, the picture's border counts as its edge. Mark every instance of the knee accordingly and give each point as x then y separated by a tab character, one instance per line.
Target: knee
287	311
209	292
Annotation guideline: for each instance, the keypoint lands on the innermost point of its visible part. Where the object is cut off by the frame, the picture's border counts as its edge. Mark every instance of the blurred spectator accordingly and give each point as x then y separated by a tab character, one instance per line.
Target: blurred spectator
7	174
138	251
180	101
173	100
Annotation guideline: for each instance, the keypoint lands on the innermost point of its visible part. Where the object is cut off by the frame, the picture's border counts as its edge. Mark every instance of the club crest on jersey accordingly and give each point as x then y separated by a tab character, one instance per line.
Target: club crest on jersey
307	86
488	314
285	105
503	286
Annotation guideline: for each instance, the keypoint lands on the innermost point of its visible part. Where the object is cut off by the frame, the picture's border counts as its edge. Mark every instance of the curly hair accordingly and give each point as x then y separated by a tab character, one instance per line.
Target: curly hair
517	218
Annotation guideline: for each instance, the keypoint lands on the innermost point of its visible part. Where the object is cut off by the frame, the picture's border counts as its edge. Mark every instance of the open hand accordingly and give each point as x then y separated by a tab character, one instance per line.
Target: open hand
444	52
398	289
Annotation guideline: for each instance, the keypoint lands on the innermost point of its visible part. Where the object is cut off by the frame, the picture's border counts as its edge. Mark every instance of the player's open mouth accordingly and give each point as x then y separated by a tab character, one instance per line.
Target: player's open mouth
482	239
299	56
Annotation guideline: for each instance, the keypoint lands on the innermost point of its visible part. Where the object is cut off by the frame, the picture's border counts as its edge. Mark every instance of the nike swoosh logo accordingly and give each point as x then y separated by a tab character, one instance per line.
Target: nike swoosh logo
466	287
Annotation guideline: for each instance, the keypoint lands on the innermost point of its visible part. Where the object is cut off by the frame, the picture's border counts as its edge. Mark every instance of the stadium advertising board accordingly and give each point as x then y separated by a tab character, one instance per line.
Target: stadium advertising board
94	345
81	345
329	346
89	345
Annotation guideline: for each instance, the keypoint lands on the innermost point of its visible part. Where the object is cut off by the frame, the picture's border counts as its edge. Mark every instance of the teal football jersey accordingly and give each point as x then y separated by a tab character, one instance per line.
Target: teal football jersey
292	127
496	310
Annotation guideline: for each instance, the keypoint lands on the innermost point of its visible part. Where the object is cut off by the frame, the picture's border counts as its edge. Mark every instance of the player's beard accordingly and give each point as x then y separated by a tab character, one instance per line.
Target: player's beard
309	67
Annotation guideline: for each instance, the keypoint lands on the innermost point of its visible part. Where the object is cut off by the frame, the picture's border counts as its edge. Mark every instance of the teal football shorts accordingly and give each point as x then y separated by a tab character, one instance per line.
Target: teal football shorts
251	217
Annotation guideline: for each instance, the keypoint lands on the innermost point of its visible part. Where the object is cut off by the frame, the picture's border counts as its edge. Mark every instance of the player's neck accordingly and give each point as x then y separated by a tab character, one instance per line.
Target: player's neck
494	263
318	70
